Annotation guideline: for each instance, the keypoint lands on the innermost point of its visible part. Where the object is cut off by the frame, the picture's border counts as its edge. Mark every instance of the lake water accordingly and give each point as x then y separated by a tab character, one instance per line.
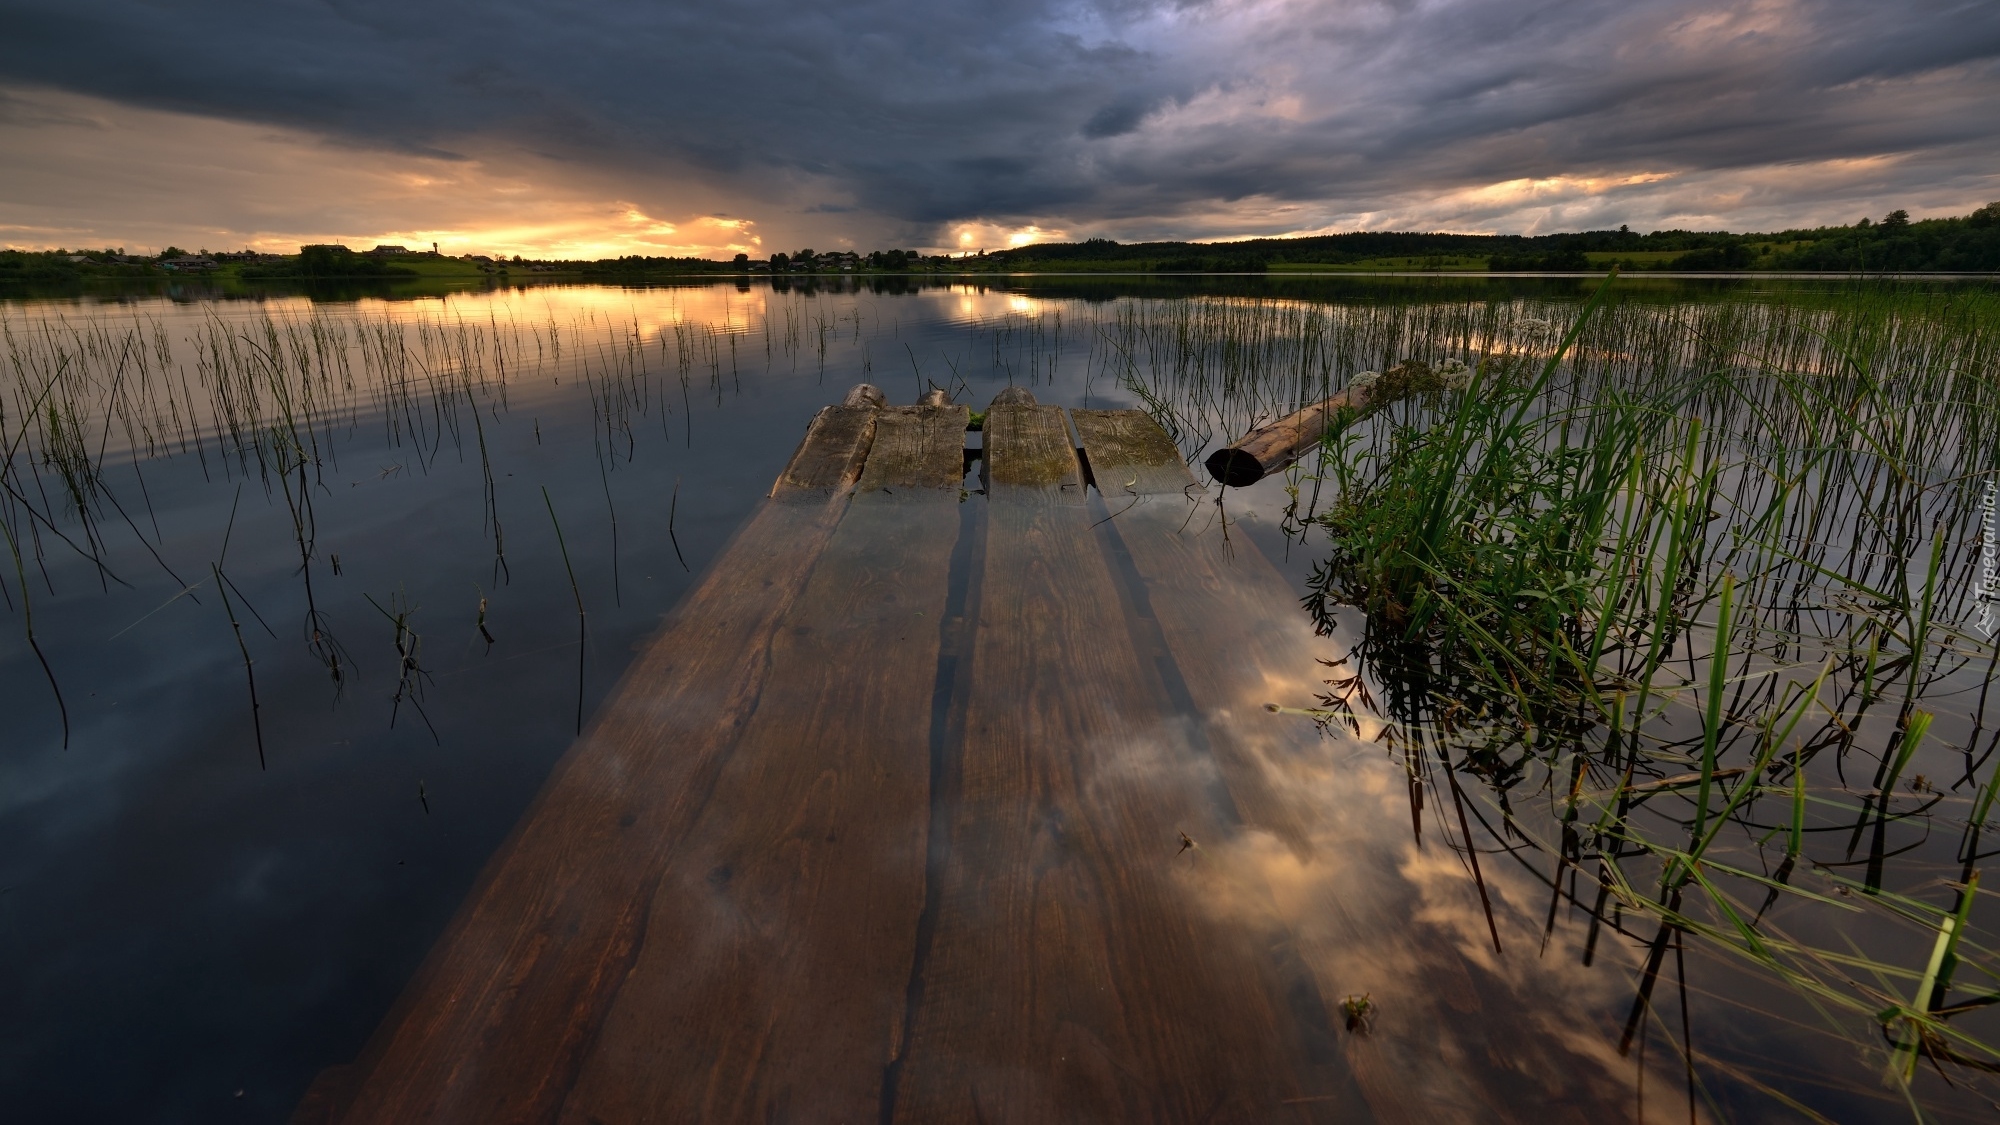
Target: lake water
202	905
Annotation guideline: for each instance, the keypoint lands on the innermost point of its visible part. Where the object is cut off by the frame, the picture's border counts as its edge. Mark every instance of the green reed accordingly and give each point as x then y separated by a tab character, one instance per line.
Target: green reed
86	405
1658	558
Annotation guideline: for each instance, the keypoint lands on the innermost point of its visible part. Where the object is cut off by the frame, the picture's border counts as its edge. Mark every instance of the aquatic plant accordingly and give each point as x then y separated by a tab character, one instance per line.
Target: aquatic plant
1573	586
1640	592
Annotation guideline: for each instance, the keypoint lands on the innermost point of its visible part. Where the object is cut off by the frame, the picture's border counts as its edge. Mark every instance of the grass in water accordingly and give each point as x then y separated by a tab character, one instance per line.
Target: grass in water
1626	605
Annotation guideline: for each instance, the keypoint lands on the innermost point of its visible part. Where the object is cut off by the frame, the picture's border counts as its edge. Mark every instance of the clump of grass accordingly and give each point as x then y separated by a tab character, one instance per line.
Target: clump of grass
1415	379
1581	585
1472	543
1358	1010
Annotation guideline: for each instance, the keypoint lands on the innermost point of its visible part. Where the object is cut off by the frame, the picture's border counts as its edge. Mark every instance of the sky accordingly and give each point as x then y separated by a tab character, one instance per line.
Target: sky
591	128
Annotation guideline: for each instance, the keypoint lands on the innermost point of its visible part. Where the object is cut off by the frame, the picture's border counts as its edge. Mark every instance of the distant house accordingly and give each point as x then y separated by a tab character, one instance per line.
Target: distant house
189	263
387	251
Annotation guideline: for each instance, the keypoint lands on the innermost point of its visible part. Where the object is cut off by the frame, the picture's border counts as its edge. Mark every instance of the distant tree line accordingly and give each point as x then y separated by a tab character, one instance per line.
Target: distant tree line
326	262
809	260
639	264
71	265
1968	243
1896	243
1563	258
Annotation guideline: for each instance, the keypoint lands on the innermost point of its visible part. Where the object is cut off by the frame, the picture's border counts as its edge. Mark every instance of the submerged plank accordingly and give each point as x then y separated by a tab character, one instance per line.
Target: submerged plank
495	1025
1237	640
1237	635
772	981
1240	640
1072	974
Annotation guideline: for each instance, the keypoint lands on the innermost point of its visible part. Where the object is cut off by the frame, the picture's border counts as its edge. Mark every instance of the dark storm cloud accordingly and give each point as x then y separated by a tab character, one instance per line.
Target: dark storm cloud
1114	120
1126	116
1462	94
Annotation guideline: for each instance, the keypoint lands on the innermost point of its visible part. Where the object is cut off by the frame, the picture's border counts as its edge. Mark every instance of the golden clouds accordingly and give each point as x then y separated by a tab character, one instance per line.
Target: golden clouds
81	171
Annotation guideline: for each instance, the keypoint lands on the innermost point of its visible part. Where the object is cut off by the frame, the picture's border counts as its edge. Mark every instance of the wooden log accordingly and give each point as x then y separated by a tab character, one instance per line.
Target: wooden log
1269	448
497	1021
1070	975
772	981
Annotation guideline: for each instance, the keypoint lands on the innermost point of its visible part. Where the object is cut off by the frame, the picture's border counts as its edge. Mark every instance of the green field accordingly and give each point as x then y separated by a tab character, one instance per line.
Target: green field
1429	262
441	267
1641	257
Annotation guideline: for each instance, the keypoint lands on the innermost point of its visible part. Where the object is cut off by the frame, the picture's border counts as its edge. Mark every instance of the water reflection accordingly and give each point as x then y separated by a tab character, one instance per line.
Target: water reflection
208	927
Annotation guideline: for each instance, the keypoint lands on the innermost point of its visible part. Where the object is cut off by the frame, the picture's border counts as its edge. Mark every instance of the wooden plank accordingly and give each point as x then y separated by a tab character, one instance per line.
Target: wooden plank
772	981
1028	451
835	445
1337	911
917	449
1072	976
495	1025
1130	454
1241	641
1237	640
1237	634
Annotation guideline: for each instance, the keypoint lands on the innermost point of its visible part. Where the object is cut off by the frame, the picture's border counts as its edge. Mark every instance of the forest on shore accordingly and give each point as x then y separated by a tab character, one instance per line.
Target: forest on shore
1894	244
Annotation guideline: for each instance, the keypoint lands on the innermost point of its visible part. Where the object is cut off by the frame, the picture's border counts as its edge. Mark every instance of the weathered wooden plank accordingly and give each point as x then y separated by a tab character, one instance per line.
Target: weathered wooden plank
1241	641
495	1025
1130	454
1238	640
772	983
1237	635
1072	975
835	445
917	448
1028	449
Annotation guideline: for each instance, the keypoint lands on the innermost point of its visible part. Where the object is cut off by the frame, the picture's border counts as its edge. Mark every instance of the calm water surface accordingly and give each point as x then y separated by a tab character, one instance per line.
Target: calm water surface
190	934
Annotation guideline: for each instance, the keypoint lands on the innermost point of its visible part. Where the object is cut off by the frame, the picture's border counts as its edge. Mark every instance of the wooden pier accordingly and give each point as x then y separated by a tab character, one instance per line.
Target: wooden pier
889	821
